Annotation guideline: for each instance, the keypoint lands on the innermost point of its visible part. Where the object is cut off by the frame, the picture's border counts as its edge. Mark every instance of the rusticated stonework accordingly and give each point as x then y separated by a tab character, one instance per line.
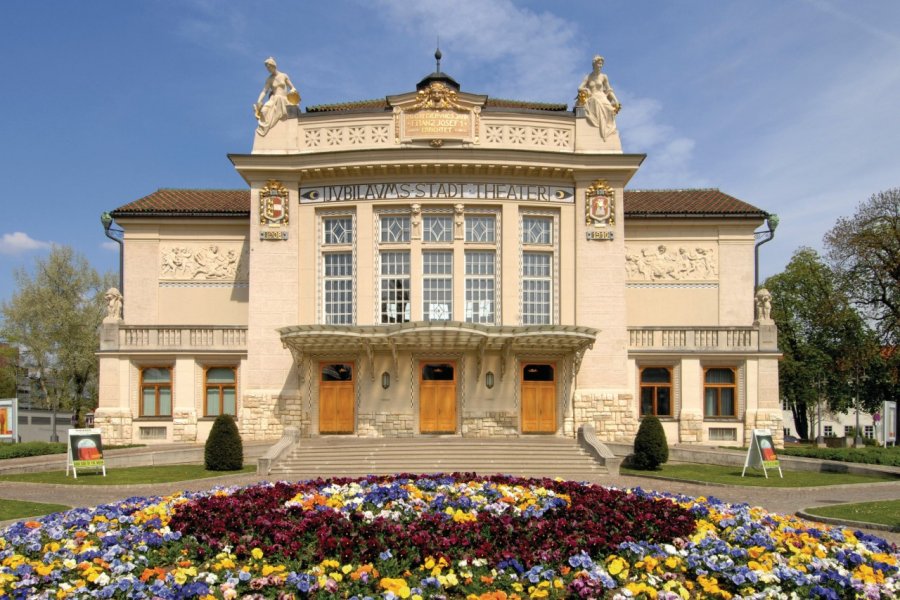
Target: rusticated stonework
490	424
115	425
184	426
203	262
690	427
662	263
385	425
612	415
264	416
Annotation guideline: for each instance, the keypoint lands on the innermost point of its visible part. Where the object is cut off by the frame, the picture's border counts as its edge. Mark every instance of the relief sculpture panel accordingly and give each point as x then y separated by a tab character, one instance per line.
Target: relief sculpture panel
660	263
203	262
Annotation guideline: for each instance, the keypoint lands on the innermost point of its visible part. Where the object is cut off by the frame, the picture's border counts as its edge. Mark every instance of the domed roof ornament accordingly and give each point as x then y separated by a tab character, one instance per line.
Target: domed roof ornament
438	76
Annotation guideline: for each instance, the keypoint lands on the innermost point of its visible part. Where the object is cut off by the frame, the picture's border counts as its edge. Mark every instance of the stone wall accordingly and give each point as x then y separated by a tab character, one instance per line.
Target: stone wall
385	425
264	416
765	419
115	425
184	426
690	427
490	424
611	414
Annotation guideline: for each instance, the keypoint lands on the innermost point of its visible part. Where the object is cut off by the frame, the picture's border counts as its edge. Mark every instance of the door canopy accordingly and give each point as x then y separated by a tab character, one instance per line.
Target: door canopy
452	336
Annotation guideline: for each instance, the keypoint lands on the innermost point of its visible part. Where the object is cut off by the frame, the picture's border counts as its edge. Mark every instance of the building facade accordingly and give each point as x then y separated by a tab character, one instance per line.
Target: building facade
438	263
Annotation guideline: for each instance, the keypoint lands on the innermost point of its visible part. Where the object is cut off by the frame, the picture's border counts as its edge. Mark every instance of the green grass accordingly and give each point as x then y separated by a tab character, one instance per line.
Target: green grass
16	509
755	477
885	512
871	455
126	476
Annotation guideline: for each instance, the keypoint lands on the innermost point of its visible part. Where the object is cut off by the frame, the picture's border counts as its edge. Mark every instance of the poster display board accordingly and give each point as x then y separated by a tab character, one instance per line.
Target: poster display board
761	453
9	420
889	423
85	451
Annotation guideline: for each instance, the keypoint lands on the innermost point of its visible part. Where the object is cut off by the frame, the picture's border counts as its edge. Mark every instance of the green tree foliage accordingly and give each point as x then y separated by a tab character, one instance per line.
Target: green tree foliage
224	450
650	446
864	251
9	359
53	319
827	345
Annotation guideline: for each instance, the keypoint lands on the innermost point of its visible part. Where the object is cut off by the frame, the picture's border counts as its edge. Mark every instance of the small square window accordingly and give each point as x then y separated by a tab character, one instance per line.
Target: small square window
481	229
537	230
437	228
338	230
394	229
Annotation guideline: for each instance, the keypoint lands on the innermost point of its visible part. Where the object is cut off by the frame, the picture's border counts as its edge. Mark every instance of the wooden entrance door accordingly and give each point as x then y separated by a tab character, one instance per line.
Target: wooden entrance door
336	394
437	397
539	398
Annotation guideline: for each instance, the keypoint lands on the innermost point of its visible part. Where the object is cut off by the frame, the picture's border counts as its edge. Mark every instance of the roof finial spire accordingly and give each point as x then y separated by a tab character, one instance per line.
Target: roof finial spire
438	55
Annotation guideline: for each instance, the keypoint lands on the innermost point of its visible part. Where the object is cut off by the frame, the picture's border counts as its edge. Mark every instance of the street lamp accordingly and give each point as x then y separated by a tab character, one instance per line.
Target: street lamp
820	440
857	439
116	234
763	236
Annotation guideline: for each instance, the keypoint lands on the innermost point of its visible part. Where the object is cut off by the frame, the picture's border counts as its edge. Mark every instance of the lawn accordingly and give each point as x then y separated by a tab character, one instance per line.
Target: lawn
127	476
872	455
884	512
755	477
24	449
16	509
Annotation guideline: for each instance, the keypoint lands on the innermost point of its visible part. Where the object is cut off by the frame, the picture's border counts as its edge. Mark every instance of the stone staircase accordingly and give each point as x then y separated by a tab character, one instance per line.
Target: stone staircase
527	456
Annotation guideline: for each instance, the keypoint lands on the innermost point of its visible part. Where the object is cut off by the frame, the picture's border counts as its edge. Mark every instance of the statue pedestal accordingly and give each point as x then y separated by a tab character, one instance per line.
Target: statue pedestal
109	334
768	335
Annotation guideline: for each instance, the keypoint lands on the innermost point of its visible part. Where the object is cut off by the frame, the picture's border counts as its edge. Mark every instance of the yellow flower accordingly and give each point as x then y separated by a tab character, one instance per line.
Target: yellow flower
617	566
398	586
256	553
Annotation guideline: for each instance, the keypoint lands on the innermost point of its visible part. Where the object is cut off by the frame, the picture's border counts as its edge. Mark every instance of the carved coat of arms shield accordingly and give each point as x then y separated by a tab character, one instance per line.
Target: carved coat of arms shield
600	205
273	204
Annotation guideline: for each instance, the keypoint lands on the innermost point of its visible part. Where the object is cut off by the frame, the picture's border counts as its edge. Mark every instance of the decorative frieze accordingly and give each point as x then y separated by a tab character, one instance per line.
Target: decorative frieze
662	263
201	262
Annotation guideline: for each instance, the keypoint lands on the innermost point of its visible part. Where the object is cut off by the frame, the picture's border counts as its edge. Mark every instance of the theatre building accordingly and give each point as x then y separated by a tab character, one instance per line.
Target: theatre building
438	262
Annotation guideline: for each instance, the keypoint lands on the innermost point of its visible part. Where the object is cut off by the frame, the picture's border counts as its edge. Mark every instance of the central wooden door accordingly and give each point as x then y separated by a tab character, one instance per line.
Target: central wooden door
539	398
336	395
437	397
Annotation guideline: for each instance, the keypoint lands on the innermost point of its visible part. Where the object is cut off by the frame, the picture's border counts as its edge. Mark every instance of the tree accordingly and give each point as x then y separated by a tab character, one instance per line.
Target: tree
650	446
53	319
9	364
826	343
224	450
864	252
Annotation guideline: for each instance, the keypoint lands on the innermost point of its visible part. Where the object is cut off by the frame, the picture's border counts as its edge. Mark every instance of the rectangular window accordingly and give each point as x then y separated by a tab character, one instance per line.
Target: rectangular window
719	392
437	286
156	392
480	287
722	434
481	229
437	228
338	230
338	288
221	392
848	430
537	230
537	288
395	284
869	431
394	229
656	391
829	431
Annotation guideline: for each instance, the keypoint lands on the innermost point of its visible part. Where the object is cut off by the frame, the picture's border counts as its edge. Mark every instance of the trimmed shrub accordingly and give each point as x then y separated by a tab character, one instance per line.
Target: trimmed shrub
224	450
650	446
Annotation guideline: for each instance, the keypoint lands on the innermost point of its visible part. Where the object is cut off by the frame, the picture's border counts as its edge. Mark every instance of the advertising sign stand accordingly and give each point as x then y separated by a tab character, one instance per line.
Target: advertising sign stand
761	453
85	451
9	420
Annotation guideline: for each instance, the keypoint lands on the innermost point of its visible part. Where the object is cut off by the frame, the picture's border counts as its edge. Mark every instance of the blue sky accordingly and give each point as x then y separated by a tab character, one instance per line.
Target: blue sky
790	105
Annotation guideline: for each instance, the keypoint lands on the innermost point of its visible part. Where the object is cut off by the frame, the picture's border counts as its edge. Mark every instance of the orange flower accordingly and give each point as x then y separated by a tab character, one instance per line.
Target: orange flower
32	524
487	579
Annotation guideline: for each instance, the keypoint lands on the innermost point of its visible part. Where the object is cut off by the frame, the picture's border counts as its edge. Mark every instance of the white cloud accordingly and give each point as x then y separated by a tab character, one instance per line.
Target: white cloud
110	246
19	242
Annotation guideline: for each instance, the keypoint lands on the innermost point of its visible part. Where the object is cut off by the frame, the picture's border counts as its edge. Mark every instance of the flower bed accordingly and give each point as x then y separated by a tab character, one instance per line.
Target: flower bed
411	536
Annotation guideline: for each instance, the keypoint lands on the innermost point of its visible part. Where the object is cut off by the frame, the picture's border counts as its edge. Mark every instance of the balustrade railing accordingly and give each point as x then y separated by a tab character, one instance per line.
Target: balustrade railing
182	337
693	338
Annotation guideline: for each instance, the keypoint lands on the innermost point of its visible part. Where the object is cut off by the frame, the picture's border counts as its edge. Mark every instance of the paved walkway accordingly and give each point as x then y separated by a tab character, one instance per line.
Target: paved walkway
778	500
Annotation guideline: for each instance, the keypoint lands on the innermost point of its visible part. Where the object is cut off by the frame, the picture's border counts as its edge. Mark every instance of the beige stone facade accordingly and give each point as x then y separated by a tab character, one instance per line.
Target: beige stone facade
438	263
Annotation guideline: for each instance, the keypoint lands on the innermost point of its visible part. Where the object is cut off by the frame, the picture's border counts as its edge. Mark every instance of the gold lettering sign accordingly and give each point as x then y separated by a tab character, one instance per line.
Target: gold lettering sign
438	124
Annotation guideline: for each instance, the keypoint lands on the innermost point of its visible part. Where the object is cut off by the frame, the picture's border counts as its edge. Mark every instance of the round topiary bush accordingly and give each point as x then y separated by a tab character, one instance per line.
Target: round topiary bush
224	450
650	446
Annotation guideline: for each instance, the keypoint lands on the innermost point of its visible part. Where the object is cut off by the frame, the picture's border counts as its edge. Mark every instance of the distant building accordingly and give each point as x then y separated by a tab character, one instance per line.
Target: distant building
438	262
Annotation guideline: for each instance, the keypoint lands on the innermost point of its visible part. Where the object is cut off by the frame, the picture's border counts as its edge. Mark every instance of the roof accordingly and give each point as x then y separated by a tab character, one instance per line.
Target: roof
638	203
691	202
193	203
381	104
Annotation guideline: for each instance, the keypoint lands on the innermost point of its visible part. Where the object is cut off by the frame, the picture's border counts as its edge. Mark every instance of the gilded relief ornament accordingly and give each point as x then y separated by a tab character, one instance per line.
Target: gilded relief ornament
436	95
273	204
599	205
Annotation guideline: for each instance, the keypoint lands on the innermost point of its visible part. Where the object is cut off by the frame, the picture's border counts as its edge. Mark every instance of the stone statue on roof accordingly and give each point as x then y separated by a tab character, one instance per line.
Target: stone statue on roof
113	305
599	101
281	94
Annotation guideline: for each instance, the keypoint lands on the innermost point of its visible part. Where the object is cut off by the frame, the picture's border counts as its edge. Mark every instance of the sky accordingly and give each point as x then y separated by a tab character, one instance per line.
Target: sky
790	105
